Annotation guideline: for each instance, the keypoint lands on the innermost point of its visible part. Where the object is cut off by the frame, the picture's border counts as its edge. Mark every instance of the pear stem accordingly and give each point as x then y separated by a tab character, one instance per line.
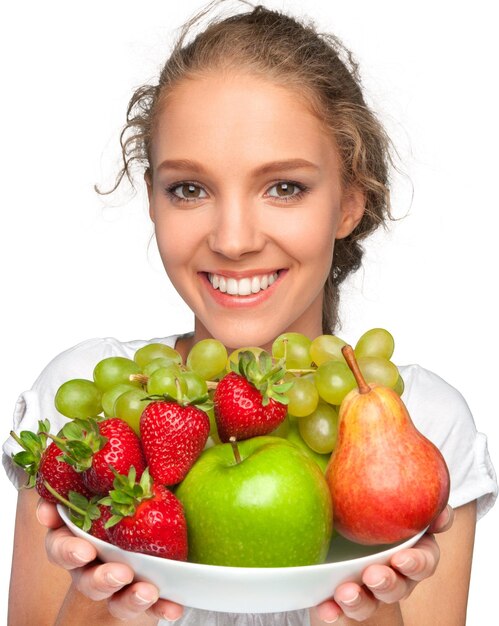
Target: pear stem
235	449
349	355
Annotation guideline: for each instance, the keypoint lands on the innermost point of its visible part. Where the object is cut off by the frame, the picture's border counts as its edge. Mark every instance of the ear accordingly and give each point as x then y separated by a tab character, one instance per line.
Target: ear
353	205
148	181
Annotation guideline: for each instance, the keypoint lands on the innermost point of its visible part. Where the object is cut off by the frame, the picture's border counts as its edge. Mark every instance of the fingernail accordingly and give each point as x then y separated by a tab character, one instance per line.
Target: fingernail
37	509
143	601
331	621
409	565
353	601
78	558
115	582
168	619
381	584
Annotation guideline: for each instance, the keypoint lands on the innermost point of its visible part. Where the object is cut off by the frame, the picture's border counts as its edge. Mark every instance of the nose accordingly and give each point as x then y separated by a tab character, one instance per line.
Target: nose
236	229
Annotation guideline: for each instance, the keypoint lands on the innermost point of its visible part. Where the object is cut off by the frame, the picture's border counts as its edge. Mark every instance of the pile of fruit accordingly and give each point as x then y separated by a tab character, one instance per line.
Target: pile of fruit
226	459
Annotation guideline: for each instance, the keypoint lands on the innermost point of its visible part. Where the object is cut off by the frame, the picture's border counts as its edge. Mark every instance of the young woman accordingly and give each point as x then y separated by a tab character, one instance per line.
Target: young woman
263	164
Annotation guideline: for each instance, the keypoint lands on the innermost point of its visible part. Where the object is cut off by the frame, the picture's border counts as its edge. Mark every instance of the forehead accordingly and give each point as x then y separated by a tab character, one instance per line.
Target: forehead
239	117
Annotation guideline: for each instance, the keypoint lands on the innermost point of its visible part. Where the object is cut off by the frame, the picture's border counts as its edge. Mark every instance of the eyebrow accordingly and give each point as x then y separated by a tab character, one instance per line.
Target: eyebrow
272	166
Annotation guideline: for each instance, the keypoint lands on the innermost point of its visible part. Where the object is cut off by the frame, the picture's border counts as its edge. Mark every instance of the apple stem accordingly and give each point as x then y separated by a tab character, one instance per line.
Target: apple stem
235	449
349	355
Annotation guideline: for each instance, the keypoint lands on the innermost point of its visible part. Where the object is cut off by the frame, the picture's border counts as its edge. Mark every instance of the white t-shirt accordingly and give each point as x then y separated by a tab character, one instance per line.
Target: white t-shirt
437	409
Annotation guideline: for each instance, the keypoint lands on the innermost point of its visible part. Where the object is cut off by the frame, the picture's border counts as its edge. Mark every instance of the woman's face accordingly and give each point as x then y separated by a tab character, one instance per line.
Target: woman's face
246	199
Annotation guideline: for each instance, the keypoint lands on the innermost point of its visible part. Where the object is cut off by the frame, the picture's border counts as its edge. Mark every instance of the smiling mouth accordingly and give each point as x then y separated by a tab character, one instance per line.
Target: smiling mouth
247	286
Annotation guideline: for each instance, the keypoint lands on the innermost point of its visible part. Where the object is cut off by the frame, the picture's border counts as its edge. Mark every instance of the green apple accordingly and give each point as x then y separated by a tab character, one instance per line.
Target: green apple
269	508
294	436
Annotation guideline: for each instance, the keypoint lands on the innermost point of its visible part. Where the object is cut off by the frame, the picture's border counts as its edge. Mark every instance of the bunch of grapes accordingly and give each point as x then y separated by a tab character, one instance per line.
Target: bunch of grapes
123	387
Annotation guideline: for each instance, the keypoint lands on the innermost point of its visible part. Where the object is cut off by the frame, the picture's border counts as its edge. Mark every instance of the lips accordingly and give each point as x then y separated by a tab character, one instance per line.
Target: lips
244	286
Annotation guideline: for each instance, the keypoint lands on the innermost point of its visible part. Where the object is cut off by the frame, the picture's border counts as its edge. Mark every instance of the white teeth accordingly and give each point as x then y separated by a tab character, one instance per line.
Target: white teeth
232	286
243	286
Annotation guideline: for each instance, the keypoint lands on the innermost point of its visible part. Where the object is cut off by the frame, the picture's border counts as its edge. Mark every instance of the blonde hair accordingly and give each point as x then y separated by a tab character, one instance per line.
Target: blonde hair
291	53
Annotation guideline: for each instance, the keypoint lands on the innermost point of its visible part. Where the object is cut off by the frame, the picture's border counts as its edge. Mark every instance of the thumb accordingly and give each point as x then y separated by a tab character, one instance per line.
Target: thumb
47	515
443	521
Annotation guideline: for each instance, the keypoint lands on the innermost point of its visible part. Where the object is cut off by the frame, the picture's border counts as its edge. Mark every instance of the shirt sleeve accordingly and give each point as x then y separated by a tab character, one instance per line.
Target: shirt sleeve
38	402
442	415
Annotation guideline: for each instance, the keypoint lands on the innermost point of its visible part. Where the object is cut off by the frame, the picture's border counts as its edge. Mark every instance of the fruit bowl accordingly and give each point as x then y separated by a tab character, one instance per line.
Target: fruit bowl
248	589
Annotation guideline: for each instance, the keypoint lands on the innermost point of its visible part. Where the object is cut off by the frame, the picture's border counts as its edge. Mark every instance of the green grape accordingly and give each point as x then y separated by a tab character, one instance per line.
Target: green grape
78	398
155	364
110	396
378	370
319	430
303	397
151	351
326	347
334	380
295	347
207	358
115	370
295	438
234	356
399	386
167	380
129	407
375	342
196	386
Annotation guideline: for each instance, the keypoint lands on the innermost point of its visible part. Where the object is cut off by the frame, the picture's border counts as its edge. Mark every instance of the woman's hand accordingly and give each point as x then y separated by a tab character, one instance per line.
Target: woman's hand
387	584
101	581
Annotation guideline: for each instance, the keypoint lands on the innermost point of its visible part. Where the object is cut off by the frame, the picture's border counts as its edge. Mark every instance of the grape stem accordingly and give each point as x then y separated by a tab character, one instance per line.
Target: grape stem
301	371
349	355
141	378
211	384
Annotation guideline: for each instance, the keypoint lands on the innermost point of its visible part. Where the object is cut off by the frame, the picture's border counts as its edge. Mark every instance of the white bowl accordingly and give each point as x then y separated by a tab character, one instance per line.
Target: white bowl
248	589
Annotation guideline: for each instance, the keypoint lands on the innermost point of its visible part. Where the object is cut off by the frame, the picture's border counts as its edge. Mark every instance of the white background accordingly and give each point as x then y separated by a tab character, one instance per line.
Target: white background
74	266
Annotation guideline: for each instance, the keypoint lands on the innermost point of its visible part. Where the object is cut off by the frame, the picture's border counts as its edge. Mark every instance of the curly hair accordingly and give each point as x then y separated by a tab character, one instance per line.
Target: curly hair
292	53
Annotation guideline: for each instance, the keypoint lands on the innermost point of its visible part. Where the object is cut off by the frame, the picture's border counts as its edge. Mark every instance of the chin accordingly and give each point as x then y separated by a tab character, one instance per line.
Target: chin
238	334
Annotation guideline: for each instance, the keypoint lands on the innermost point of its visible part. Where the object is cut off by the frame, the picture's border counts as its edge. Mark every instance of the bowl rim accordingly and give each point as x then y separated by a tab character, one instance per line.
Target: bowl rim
189	566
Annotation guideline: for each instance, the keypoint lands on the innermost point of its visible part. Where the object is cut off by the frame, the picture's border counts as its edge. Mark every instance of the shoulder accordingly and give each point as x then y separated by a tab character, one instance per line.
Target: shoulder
432	400
76	362
79	360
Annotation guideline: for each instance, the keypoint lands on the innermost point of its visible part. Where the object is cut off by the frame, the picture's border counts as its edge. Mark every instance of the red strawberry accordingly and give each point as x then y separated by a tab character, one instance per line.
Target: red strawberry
149	519
98	525
60	476
96	447
249	401
43	463
122	451
173	436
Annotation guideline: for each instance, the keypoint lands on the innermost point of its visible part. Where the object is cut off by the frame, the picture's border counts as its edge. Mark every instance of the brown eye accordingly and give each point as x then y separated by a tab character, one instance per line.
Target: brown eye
184	192
190	191
284	190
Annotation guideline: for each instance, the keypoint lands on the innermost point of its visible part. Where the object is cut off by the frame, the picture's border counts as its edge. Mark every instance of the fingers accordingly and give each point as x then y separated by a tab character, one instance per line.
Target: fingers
349	599
387	585
443	521
68	551
164	609
47	515
419	562
99	582
140	597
